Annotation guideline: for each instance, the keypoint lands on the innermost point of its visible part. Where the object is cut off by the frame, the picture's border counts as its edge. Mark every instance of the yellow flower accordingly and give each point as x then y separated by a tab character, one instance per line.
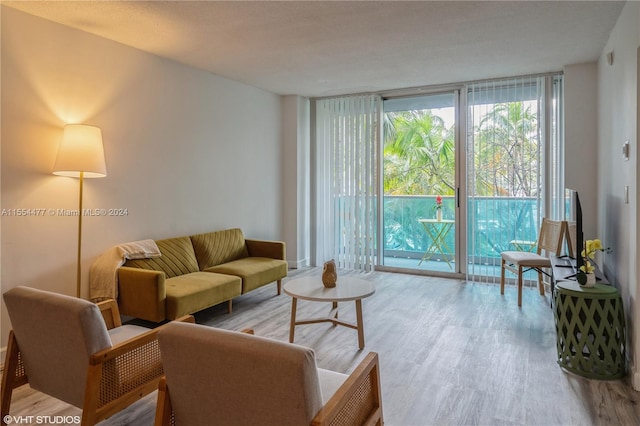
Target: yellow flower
591	247
588	253
587	268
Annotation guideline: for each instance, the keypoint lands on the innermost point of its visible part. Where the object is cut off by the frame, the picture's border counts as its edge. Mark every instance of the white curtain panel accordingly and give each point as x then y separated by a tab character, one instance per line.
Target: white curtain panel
347	135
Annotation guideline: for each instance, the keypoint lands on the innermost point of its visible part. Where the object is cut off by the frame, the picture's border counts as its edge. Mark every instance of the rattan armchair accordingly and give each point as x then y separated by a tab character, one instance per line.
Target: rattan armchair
215	376
78	352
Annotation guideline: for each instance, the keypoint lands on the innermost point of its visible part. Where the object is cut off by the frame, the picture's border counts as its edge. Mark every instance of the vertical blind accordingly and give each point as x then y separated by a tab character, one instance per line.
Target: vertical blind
346	180
508	131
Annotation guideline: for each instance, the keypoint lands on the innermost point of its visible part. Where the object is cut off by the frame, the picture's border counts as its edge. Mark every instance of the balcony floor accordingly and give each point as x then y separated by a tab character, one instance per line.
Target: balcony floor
483	273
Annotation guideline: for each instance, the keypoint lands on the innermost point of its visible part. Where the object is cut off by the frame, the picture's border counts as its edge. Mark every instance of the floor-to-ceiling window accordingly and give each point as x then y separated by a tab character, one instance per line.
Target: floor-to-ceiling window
459	175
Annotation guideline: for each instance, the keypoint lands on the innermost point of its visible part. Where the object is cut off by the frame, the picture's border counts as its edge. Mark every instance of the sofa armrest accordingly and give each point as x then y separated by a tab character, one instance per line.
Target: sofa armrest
110	313
265	248
142	293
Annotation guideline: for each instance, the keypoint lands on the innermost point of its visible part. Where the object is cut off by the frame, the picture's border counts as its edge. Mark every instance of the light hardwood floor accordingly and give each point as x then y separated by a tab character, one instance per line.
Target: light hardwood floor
451	353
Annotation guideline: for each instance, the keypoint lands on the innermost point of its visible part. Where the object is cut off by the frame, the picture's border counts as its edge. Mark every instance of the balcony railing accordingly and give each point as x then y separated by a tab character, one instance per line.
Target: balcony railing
493	223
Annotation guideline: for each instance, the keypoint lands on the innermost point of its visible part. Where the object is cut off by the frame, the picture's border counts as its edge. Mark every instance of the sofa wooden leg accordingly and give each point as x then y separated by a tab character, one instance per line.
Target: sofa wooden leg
279	287
230	306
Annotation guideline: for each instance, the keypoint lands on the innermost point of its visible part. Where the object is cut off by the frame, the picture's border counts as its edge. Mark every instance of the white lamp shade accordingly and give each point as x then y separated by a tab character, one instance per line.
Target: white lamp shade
81	150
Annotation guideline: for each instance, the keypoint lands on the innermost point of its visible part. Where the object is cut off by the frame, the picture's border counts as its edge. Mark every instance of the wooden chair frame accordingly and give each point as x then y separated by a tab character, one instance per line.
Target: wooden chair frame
101	398
357	402
546	242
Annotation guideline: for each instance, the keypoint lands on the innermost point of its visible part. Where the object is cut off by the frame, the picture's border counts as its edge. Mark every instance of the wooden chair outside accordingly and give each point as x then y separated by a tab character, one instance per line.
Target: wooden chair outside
263	382
550	240
78	352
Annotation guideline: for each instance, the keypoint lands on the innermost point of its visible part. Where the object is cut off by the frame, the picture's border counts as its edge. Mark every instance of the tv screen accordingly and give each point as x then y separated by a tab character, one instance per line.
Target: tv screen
573	215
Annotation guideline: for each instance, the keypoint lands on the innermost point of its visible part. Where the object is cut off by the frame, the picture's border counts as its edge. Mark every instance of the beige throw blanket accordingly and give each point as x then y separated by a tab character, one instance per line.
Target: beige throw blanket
103	275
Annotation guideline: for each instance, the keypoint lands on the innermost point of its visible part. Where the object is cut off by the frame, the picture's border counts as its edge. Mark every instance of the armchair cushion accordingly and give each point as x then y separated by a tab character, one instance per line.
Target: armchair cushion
57	335
330	381
125	332
249	379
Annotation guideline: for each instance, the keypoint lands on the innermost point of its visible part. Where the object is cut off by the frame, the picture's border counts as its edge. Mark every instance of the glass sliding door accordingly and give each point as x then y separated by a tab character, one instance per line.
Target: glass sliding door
440	182
419	205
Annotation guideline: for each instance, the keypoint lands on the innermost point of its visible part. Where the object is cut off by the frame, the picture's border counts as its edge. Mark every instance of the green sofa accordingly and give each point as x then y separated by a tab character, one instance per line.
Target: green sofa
196	272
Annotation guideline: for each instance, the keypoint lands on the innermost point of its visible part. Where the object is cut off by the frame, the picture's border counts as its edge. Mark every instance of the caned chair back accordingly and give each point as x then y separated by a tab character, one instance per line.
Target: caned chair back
550	240
551	237
237	378
56	335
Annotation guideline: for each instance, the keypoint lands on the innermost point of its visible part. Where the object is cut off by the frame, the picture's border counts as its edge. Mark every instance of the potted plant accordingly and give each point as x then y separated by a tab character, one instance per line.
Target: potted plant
586	275
439	208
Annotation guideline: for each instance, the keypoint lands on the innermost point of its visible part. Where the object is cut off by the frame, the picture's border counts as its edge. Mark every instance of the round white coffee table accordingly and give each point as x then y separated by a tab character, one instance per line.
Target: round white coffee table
346	289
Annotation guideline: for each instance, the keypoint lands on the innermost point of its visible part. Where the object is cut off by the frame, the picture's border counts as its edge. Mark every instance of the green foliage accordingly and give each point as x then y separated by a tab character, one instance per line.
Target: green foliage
506	152
419	154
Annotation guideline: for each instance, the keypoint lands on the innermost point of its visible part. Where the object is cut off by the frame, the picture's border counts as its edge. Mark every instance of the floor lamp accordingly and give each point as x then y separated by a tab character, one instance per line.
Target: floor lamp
80	155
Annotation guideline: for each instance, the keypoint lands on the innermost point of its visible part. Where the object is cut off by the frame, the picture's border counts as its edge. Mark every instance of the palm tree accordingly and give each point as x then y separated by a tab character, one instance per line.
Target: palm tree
507	155
418	154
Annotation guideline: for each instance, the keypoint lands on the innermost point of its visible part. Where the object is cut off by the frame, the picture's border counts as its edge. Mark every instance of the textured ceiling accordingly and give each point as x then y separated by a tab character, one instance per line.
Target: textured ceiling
320	48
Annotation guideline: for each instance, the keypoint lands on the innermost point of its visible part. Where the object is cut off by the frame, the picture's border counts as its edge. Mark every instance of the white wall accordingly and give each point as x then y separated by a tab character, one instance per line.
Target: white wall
186	151
296	179
581	139
617	122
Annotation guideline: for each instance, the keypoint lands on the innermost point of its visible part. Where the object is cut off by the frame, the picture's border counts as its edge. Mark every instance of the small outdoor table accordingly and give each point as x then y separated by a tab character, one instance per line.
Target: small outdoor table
590	330
437	231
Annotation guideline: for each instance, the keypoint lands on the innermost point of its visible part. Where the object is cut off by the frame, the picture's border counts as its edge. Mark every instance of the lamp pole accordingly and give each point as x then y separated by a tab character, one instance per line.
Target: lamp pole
79	266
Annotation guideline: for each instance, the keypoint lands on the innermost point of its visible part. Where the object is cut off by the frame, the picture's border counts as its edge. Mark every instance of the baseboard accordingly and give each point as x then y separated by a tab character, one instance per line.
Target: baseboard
297	264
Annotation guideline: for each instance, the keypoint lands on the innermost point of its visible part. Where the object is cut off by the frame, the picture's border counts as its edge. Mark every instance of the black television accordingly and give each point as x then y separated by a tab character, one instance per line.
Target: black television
573	215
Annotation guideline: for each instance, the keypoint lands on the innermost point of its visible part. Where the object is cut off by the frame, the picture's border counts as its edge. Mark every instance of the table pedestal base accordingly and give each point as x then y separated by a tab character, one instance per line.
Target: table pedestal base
332	318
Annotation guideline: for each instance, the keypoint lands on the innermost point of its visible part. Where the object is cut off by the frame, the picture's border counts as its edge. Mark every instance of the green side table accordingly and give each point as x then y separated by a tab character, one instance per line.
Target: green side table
590	330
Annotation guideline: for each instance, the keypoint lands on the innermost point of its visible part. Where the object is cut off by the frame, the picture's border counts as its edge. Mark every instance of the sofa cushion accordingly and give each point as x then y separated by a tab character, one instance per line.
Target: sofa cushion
215	248
196	291
177	258
254	271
